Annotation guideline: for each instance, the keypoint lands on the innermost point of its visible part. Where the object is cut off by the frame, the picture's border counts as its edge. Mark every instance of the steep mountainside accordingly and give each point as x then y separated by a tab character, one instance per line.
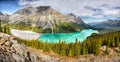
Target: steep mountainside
47	19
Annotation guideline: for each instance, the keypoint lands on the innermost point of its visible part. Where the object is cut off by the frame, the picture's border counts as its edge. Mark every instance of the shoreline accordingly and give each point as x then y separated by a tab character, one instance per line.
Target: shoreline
27	35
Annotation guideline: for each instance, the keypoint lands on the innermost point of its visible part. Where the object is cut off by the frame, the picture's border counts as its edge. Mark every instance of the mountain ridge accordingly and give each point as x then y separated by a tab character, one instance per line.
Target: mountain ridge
47	18
107	26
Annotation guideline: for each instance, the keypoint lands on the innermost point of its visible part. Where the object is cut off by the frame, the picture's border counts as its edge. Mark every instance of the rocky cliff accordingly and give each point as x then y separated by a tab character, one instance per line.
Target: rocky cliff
12	50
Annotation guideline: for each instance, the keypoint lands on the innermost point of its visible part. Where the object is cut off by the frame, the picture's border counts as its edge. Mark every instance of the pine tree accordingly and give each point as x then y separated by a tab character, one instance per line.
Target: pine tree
63	49
97	46
0	26
70	53
77	48
5	29
8	28
83	50
116	40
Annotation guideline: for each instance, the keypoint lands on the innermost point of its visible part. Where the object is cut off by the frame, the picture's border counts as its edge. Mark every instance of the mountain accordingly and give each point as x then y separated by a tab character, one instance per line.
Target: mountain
47	18
1	13
107	26
4	17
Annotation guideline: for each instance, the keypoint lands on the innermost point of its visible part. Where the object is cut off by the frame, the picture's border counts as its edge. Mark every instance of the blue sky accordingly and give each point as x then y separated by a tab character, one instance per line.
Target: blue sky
9	6
88	10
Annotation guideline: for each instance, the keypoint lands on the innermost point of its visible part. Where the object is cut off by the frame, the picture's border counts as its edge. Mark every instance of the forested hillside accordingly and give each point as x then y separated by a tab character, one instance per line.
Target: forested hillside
4	28
90	46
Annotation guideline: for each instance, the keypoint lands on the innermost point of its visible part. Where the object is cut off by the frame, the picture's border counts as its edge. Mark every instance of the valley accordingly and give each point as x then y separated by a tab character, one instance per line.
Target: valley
53	37
45	33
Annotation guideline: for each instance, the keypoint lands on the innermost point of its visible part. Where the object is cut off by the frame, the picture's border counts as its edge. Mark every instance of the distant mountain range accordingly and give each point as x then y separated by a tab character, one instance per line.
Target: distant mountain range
47	18
107	26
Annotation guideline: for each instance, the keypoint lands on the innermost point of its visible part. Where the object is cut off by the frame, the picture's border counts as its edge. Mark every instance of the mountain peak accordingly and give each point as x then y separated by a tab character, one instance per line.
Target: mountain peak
45	17
43	8
38	9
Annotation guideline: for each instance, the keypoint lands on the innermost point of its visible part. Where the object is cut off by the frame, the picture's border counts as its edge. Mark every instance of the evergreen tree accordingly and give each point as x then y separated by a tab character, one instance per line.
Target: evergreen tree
77	49
116	40
63	49
8	28
90	46
5	29
0	26
83	50
70	53
97	46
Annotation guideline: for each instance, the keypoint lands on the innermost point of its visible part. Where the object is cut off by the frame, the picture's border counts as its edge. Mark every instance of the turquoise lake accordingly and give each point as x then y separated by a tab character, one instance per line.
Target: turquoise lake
67	37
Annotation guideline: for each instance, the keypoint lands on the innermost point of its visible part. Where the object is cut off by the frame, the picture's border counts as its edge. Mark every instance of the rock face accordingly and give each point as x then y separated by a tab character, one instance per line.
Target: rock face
42	15
46	18
13	51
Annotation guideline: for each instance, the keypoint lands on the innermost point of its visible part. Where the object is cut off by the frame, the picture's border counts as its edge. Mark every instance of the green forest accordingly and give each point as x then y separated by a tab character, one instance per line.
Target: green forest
89	46
5	28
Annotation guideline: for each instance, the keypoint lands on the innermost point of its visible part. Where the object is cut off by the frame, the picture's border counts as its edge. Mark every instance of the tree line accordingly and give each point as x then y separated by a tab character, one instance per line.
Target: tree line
4	28
90	46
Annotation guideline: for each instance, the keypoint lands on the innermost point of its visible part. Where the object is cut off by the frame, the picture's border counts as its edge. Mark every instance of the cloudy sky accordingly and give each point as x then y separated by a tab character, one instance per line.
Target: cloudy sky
88	10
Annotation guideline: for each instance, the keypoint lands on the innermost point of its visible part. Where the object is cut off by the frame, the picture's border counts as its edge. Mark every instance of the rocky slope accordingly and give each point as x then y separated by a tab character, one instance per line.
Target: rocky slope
4	17
47	18
12	50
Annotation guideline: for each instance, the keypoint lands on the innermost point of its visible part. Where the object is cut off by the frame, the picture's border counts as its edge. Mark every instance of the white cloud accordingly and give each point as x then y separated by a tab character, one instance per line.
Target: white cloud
95	8
112	12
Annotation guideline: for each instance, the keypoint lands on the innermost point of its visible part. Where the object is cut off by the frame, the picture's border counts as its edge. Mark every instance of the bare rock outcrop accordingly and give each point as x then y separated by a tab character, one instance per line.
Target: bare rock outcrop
11	50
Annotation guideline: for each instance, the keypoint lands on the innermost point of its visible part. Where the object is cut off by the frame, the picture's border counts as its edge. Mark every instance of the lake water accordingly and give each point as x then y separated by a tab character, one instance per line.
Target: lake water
67	37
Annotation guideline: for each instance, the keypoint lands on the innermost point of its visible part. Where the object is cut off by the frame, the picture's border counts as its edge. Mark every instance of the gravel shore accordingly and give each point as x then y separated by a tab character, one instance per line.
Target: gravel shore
27	35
